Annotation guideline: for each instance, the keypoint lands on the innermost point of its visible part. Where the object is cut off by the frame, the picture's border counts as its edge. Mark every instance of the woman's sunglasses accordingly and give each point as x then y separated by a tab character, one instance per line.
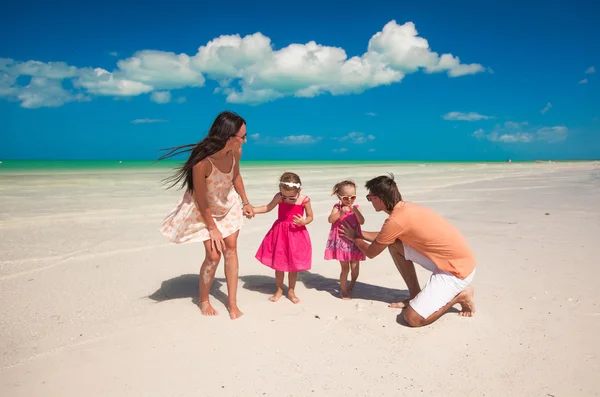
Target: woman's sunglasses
369	197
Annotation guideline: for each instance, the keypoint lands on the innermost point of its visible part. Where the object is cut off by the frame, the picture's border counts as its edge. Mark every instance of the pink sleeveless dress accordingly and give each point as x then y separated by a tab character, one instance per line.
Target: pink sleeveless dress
185	224
287	246
338	247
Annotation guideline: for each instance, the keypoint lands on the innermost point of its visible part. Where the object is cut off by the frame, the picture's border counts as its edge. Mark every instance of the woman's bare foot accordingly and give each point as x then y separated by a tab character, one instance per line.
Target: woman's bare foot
277	295
207	309
292	296
234	312
399	305
467	302
345	295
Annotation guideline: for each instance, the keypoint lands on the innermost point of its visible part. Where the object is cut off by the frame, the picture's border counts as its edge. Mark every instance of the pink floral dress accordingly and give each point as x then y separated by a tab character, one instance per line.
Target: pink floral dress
185	224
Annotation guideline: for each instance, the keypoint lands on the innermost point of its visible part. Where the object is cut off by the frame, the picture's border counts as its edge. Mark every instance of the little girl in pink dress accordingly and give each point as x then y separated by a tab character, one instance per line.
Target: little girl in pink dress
287	246
338	247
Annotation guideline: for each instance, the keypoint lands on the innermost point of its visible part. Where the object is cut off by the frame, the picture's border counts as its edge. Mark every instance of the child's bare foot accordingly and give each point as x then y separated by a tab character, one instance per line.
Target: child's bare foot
399	305
345	295
467	302
207	309
292	296
351	286
277	295
234	312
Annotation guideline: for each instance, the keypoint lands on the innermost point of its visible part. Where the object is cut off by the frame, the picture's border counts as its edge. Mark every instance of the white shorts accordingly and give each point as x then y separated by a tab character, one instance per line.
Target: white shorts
441	288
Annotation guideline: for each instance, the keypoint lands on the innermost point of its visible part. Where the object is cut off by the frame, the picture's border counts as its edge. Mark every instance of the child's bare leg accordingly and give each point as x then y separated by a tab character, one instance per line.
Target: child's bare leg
279	281
207	276
355	269
344	280
231	274
292	277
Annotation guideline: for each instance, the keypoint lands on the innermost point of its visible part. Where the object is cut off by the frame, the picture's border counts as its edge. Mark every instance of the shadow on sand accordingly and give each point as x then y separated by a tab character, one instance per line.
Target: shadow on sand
186	287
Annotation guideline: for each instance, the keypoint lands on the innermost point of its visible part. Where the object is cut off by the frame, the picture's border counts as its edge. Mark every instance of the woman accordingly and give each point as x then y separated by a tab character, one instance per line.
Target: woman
209	210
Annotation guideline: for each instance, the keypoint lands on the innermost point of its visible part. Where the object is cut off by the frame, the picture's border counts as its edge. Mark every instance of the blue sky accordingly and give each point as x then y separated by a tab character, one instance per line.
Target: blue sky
393	80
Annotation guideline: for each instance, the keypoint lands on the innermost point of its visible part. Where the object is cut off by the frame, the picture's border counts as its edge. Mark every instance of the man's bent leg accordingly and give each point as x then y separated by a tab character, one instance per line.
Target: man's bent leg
443	291
407	271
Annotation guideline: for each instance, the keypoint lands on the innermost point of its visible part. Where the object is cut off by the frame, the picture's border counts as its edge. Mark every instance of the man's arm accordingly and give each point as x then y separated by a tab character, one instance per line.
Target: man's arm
369	236
370	250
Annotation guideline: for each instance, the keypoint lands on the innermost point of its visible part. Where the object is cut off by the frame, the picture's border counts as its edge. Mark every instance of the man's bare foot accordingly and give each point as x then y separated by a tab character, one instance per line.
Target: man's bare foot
467	302
345	295
399	305
292	296
277	295
207	309
234	312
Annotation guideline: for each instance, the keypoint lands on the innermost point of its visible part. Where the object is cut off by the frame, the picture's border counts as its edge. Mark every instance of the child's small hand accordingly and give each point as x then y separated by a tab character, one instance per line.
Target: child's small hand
298	220
345	209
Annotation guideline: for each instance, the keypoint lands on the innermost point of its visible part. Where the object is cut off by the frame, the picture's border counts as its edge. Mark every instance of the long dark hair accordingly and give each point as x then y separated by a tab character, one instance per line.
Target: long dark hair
226	125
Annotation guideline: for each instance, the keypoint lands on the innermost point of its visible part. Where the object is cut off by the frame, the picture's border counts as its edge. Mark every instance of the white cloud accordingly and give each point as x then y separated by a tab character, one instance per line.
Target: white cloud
590	70
181	99
42	92
101	82
161	70
356	137
471	116
340	150
584	81
298	139
254	137
371	150
546	108
113	54
148	121
372	114
512	132
160	97
251	70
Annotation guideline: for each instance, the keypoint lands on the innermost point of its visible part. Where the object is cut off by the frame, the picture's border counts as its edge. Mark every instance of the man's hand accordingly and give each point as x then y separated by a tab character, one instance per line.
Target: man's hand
347	232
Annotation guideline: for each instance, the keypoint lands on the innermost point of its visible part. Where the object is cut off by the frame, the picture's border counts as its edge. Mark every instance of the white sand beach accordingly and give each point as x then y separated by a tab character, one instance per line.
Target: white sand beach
96	302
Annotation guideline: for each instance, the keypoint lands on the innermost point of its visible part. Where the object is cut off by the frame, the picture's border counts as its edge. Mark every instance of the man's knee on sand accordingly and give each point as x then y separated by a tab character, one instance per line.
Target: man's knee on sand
412	318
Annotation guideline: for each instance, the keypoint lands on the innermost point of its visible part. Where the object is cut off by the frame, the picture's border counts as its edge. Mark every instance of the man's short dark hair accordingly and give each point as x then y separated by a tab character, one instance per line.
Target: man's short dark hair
385	188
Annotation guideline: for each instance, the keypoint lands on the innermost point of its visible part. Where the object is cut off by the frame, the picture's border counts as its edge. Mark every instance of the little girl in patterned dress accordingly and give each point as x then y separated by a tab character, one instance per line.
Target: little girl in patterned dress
344	250
287	246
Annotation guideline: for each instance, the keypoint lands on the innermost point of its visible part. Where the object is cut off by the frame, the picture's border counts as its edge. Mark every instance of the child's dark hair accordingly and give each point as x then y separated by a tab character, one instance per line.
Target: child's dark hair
290	181
337	188
385	188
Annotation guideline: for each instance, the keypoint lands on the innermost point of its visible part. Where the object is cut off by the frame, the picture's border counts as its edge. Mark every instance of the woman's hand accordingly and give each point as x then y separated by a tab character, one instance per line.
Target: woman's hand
216	240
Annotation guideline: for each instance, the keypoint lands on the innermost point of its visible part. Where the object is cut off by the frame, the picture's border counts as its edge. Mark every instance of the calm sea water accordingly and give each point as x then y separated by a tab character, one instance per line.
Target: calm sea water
74	165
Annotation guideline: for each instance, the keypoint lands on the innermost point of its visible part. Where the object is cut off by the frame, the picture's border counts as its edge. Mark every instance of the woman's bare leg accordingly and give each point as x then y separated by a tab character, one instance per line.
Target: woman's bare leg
207	276
231	274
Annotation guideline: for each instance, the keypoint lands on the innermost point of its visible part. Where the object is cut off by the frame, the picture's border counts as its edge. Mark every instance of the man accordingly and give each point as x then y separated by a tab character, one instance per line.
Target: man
413	233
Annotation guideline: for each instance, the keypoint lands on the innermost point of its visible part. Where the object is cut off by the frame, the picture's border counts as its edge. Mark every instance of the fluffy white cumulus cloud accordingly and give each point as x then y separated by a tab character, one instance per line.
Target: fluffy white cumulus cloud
250	69
102	82
161	70
513	132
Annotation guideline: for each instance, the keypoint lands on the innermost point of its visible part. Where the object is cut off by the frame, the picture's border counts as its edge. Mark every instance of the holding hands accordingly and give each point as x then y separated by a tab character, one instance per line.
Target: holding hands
248	210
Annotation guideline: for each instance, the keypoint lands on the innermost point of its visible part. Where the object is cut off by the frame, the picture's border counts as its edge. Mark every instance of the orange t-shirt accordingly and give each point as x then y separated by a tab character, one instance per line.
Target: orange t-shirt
430	234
